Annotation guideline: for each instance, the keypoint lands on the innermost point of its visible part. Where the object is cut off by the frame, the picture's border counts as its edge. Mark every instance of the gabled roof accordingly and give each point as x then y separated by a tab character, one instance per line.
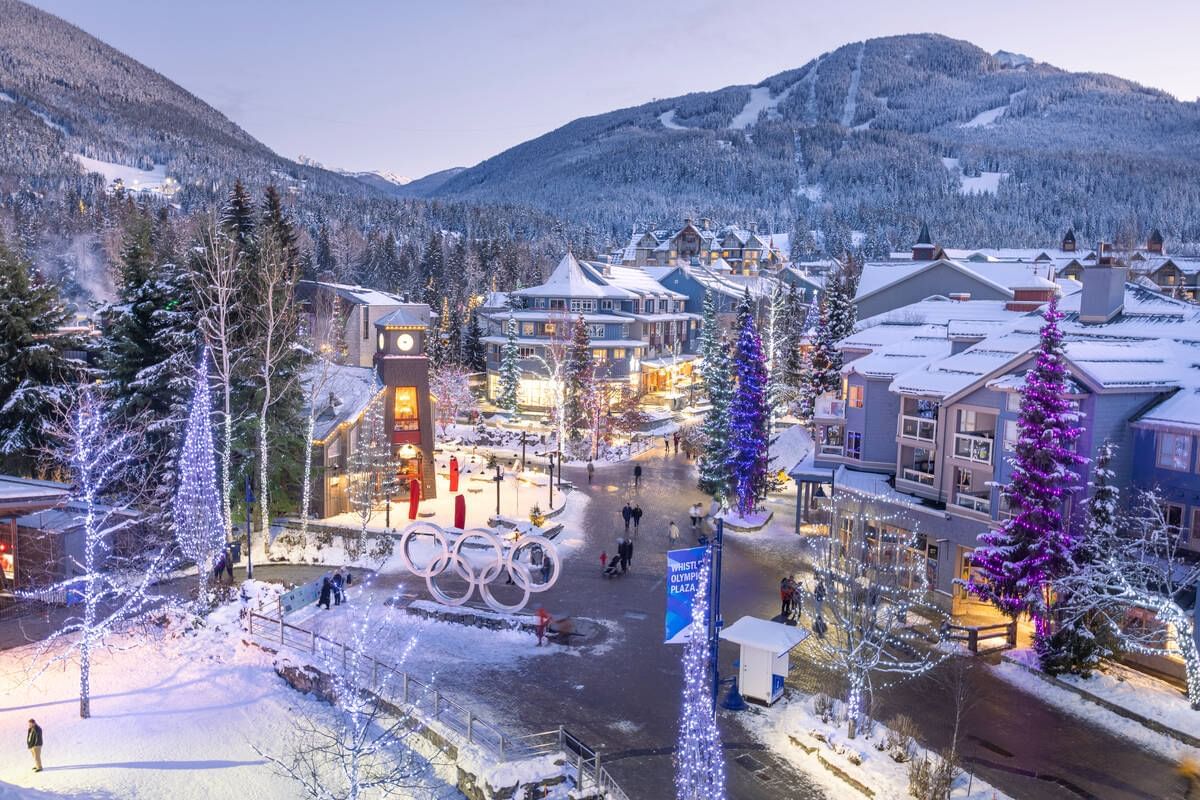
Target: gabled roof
958	373
1004	277
359	295
570	279
343	394
636	280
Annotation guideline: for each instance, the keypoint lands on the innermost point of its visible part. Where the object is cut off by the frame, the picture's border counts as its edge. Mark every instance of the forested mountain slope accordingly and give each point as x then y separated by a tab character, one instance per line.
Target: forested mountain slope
873	137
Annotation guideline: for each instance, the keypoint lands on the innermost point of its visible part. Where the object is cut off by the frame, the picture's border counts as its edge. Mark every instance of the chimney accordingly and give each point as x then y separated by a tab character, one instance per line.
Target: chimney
752	226
1103	296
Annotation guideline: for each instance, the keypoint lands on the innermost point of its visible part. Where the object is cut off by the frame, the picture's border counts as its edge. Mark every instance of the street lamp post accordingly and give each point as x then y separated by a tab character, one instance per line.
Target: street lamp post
550	481
523	434
499	477
560	460
249	518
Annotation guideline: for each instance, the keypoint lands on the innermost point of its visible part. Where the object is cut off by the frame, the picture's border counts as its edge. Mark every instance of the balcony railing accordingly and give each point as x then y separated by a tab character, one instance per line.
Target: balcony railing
922	429
973	447
830	408
832	449
917	476
981	505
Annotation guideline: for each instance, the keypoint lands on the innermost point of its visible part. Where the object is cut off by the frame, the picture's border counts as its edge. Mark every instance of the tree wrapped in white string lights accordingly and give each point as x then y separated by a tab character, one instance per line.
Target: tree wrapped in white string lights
1135	583
875	623
115	571
196	508
699	757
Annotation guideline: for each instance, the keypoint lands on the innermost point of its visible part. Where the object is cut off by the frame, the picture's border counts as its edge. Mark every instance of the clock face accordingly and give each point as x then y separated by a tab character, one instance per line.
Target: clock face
405	342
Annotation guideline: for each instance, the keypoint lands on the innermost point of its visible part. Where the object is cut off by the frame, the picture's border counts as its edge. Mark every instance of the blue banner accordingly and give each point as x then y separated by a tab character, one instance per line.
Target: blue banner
683	573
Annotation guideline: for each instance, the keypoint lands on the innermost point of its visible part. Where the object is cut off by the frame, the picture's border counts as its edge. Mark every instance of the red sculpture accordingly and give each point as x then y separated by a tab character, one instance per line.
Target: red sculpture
454	475
414	497
460	511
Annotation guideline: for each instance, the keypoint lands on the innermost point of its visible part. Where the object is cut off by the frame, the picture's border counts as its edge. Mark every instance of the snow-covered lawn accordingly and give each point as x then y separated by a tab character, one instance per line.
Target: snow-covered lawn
1129	689
175	717
134	179
791	728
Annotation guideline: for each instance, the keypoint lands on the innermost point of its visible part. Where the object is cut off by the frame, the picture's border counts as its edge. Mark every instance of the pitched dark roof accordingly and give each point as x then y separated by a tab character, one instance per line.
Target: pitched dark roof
1070	235
1156	236
923	237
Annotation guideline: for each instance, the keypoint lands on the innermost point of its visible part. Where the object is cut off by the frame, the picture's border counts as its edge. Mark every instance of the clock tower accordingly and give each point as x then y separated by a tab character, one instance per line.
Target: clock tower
403	368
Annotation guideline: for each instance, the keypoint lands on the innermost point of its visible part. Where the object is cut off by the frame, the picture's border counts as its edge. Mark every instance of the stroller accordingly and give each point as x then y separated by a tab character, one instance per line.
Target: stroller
613	568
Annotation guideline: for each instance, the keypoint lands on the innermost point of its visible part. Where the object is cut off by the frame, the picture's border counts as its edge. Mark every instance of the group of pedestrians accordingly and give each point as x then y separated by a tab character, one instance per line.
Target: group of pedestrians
334	588
632	514
791	597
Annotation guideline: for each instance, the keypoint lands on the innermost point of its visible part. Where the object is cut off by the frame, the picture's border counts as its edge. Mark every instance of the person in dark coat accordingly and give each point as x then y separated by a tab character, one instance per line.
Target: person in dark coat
637	517
337	584
623	554
629	552
33	740
218	568
637	475
229	565
326	591
591	468
627	515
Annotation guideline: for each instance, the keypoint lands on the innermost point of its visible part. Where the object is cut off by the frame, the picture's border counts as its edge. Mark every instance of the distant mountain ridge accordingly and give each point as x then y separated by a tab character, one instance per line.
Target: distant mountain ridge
873	137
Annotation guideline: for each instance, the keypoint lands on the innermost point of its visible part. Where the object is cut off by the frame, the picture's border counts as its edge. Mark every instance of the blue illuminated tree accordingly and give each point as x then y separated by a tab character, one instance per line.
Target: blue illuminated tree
699	757
749	417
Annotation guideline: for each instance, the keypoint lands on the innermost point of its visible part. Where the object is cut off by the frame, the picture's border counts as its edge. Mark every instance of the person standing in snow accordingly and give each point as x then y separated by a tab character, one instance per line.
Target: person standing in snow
786	590
591	468
637	475
326	591
33	741
637	517
337	584
696	513
673	532
797	598
623	555
229	565
627	515
218	568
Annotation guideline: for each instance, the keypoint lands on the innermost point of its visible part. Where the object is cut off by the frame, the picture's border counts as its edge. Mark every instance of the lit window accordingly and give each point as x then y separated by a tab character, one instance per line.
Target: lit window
1174	451
527	329
598	354
618	352
404	408
854	445
548	328
856	397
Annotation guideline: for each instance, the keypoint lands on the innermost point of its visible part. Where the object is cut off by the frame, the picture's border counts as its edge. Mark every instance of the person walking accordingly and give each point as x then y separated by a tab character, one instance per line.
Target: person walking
629	552
603	559
797	598
33	740
591	468
675	441
818	598
545	569
627	515
637	475
218	568
637	517
673	532
622	555
696	514
786	589
337	584
543	623
326	591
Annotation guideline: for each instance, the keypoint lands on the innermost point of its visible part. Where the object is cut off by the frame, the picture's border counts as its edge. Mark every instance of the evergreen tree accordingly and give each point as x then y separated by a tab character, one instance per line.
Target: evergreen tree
1078	644
474	353
433	272
35	370
1032	547
577	379
237	217
791	380
779	339
715	460
749	416
818	373
510	369
836	321
439	343
149	345
700	757
710	342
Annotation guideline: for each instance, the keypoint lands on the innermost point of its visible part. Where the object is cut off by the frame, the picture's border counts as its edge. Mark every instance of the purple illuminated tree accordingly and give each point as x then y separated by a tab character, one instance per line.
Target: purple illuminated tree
748	415
1020	559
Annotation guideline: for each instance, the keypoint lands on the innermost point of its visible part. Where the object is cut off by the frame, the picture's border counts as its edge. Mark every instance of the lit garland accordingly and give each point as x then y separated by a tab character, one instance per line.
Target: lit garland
1033	546
870	605
196	508
748	416
699	756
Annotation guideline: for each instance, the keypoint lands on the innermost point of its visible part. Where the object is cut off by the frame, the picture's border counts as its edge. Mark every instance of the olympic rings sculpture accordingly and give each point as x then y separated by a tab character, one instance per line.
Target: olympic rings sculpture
503	556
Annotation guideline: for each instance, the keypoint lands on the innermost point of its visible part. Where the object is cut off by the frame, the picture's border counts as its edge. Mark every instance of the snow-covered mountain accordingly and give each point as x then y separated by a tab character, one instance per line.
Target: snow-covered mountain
874	137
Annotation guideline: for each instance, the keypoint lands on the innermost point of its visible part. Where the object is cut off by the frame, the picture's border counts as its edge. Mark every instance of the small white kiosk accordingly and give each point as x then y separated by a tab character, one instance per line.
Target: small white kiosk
764	655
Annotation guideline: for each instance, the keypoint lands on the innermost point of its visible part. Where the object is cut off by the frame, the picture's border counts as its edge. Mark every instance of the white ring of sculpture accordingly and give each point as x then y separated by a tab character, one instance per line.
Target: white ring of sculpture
504	559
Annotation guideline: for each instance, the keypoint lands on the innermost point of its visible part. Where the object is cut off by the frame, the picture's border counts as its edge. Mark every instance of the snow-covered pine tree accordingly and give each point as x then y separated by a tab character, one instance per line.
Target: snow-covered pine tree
1080	640
748	415
148	347
237	218
196	509
35	370
710	341
1019	561
715	470
778	340
815	360
791	379
510	369
578	374
699	755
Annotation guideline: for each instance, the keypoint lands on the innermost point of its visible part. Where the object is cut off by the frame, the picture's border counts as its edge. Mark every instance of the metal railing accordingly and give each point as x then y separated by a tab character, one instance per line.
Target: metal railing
922	429
973	447
427	703
980	505
917	476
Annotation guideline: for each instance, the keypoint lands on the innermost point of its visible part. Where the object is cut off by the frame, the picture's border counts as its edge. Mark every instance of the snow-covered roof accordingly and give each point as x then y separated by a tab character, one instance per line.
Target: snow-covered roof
792	446
570	279
545	342
1002	276
942	310
891	360
637	280
342	394
24	492
762	634
1180	411
495	300
408	315
359	295
559	315
953	374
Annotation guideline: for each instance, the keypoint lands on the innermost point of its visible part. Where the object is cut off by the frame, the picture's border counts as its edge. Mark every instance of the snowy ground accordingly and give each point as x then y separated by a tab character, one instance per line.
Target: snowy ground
134	179
1123	687
177	717
793	720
